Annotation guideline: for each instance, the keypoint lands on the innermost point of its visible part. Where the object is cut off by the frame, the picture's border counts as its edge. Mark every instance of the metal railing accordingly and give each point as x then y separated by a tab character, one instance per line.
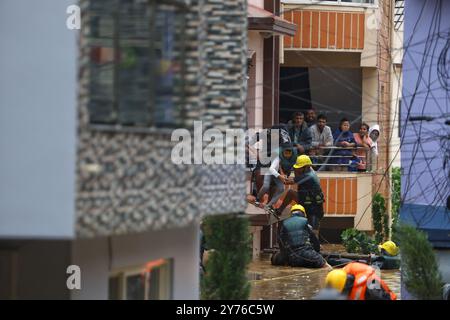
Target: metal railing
332	158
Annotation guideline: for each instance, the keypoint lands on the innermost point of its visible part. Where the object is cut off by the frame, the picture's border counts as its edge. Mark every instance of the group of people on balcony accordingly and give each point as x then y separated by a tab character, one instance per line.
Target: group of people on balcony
342	150
309	136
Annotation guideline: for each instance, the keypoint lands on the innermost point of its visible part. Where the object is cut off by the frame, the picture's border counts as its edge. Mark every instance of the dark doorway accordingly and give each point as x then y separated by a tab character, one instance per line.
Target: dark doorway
295	93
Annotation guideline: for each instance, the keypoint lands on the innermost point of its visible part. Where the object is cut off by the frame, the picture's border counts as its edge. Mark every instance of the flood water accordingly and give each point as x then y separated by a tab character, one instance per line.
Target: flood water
275	282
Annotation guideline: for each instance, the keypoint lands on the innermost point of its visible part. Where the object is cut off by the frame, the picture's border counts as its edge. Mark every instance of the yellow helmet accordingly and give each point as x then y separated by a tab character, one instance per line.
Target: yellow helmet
390	247
302	161
336	279
298	207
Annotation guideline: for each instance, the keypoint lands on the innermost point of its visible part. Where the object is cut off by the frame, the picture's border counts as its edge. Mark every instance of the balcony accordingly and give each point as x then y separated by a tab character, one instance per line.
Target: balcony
358	3
327	30
347	193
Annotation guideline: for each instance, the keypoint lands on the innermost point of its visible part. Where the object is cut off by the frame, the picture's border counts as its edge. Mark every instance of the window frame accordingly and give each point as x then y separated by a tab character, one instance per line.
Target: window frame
165	290
180	7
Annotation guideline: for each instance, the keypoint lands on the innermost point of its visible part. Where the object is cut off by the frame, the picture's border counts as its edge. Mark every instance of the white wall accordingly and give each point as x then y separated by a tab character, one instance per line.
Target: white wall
135	250
37	119
257	3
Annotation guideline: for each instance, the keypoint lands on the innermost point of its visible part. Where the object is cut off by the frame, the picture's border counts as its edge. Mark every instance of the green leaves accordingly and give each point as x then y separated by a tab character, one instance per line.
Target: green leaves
420	271
226	269
356	241
380	218
395	200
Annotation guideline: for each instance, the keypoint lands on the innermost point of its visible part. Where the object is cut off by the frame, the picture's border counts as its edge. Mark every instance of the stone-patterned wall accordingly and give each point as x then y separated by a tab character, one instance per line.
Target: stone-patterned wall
135	187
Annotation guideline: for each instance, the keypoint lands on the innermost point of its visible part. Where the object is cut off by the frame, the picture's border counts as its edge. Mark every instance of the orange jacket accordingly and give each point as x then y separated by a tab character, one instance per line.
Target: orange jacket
364	275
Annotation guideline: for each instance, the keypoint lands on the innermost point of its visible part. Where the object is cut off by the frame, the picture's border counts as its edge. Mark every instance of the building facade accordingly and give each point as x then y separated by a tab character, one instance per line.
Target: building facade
86	121
424	126
339	63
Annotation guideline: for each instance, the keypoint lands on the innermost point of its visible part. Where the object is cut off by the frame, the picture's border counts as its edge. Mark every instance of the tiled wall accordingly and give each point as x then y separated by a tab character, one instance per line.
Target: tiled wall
135	187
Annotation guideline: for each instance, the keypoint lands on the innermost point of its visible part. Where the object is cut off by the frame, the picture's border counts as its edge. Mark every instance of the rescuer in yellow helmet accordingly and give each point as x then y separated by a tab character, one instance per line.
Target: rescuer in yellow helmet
299	246
309	192
359	281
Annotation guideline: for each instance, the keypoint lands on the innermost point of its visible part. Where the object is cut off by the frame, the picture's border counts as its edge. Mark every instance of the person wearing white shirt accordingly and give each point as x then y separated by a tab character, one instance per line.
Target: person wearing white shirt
278	174
321	137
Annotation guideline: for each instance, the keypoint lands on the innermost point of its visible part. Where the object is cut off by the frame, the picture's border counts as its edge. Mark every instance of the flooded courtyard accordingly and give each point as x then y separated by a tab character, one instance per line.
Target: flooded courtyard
287	283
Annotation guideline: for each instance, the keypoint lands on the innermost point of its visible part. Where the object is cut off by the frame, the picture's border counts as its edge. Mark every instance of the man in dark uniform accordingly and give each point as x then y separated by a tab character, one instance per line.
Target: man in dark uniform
309	192
299	247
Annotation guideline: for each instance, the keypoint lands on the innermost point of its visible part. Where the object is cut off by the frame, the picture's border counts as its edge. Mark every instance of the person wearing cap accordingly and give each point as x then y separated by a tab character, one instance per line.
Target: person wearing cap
299	246
278	174
359	281
309	192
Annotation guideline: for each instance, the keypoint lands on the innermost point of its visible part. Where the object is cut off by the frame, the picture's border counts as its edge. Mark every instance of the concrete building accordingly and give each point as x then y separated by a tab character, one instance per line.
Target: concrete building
265	31
424	125
339	63
86	118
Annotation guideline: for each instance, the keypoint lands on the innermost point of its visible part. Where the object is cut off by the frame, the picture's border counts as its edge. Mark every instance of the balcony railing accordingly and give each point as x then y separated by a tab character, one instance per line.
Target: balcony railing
326	30
351	159
325	2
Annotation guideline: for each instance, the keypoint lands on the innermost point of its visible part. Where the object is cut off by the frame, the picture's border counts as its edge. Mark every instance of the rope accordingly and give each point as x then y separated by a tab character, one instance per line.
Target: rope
298	274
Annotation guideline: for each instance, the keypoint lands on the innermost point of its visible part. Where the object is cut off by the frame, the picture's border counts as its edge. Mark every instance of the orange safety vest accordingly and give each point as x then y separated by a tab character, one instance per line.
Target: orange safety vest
364	274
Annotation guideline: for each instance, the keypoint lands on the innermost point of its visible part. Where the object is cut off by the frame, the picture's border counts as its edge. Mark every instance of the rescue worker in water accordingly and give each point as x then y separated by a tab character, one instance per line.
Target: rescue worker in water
299	246
358	281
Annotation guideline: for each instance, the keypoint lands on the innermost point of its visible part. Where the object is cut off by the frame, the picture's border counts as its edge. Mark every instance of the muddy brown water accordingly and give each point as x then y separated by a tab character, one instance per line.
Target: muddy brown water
281	283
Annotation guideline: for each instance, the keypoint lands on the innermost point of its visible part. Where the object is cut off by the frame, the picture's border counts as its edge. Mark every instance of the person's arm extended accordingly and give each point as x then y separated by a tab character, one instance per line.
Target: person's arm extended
352	142
274	168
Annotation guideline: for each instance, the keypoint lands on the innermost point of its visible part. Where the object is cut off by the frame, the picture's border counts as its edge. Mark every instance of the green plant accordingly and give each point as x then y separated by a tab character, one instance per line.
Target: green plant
420	272
226	269
356	241
396	201
380	218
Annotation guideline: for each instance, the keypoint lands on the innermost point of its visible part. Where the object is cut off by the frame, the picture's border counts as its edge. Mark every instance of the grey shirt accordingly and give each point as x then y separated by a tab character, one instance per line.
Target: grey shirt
321	138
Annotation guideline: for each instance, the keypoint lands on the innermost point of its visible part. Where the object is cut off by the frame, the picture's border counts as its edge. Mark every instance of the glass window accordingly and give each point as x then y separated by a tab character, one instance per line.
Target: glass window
136	62
150	282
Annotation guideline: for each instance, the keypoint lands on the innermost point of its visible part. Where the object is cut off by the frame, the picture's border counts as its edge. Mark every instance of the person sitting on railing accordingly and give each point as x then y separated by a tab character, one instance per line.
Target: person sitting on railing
343	138
279	172
321	137
300	133
364	143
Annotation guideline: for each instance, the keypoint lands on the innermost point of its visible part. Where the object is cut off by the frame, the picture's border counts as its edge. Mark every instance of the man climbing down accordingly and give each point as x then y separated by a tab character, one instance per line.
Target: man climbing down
309	192
299	247
358	281
279	172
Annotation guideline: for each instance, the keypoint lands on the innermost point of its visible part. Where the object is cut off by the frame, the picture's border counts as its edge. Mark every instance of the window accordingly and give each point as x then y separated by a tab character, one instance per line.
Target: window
150	282
136	51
